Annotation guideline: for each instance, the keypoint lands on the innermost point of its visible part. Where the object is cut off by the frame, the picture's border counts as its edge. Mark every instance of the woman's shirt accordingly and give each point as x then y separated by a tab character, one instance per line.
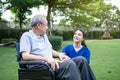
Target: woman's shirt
71	52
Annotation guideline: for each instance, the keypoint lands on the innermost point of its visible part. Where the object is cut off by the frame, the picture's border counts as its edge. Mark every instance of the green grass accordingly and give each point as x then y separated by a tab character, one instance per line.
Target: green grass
8	64
105	60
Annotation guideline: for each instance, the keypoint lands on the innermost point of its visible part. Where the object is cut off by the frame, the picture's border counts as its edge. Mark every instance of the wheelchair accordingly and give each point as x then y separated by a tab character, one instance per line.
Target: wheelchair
30	74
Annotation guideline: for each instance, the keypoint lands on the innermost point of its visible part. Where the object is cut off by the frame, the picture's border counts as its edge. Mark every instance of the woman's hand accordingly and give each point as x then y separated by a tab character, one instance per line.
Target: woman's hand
63	57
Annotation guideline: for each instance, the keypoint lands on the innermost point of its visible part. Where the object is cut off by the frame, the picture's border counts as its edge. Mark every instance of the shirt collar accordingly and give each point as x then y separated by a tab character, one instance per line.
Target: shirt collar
34	35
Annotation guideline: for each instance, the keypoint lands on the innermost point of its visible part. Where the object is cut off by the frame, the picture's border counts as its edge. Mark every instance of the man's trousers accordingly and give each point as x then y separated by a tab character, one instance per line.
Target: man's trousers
74	69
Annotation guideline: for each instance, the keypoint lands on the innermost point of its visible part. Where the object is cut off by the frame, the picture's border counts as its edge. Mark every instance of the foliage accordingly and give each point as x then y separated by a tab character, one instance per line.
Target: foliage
3	24
94	34
104	15
115	34
10	33
56	42
74	12
91	14
77	13
21	8
2	9
65	34
61	5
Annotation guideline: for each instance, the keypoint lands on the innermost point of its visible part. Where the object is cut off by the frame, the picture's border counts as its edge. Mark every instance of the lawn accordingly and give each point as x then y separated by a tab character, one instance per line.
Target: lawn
105	60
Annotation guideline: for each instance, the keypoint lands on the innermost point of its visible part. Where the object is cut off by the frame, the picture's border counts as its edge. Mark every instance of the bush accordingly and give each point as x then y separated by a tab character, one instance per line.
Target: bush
94	34
106	37
10	33
66	34
56	42
115	34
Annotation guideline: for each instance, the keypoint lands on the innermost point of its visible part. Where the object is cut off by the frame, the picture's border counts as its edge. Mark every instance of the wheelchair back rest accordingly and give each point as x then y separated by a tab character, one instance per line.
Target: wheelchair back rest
19	56
18	52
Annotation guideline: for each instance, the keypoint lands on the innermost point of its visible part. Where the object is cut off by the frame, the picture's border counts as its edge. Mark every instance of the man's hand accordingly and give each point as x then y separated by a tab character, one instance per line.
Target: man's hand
63	57
54	63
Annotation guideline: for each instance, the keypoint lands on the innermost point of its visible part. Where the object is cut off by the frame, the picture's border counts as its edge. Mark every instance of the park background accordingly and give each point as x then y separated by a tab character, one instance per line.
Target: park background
99	18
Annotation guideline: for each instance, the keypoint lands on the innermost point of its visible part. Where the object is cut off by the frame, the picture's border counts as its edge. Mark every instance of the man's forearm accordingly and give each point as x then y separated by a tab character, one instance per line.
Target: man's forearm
27	56
55	53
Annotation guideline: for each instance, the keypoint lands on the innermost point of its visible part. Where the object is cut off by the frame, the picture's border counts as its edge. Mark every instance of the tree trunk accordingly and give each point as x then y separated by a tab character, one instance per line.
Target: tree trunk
48	18
20	31
50	4
106	34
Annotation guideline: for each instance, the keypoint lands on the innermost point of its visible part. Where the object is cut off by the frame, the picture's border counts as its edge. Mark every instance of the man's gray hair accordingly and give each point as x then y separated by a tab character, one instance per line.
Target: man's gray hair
36	19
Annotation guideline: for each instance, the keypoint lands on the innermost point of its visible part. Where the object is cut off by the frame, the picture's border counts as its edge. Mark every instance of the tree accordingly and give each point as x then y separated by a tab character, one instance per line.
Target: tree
2	9
21	8
61	6
78	19
116	20
104	14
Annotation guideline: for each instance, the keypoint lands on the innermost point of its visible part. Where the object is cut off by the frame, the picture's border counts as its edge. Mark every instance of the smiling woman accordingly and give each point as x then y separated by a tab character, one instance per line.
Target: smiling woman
79	47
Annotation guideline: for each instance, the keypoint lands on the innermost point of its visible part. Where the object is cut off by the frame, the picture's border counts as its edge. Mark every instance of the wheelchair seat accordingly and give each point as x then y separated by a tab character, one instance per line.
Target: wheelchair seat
32	74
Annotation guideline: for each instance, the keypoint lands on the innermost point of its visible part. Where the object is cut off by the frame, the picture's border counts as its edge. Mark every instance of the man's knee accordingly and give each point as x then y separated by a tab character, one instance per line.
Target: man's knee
69	63
79	59
68	71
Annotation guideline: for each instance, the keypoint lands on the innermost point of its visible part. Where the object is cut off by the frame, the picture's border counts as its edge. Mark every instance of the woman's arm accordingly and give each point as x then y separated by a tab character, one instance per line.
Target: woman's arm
60	55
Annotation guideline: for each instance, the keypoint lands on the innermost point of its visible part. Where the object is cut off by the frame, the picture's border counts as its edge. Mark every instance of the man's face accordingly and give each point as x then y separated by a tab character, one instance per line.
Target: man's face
42	27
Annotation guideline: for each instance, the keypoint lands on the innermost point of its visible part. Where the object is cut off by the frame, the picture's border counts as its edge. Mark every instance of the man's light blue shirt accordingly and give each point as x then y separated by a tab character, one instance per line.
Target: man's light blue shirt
36	45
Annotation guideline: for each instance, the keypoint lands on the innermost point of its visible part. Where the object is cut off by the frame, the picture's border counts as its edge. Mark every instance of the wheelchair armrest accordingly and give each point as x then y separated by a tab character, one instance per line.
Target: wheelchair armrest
36	62
8	43
1	45
33	62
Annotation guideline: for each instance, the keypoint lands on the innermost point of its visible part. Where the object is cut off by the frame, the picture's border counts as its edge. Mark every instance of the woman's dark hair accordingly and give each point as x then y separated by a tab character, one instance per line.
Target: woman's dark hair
84	36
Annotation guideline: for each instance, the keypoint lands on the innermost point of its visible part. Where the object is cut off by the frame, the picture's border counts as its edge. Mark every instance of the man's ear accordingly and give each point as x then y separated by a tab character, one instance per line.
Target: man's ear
39	25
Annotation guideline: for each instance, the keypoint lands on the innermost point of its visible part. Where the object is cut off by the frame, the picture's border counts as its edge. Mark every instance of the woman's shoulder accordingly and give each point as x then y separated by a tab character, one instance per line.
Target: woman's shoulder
86	48
69	45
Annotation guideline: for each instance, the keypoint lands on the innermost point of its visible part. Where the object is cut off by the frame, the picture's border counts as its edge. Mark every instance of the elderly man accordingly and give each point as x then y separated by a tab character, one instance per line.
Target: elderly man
34	45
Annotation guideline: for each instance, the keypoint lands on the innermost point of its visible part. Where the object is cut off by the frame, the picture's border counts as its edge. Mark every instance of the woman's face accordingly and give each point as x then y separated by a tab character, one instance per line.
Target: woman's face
78	36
